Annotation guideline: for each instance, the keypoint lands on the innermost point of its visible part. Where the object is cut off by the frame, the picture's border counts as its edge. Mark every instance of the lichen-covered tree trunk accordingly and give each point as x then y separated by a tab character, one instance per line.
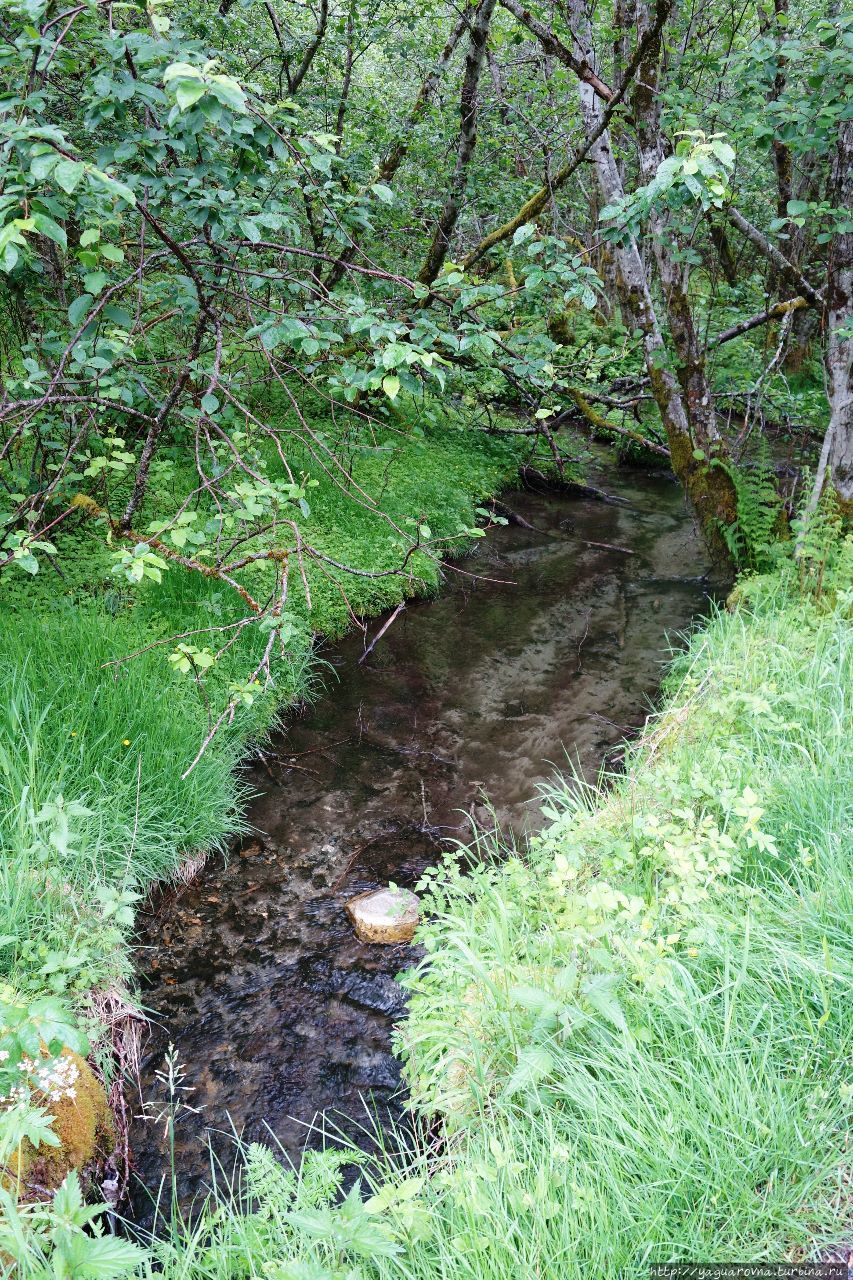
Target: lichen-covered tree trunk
692	372
709	488
839	312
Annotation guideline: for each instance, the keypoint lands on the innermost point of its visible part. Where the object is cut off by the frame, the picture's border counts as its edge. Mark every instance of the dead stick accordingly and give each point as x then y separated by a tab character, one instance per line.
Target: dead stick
610	546
381	632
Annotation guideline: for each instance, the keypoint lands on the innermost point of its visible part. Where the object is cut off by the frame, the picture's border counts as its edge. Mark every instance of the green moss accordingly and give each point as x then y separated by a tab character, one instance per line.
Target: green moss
84	1126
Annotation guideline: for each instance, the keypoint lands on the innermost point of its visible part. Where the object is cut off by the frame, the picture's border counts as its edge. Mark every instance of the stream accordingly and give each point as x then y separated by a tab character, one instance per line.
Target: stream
277	1012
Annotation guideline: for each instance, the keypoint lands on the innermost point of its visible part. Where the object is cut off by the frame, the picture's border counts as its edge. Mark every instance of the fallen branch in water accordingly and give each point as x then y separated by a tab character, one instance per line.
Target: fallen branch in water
381	632
599	423
610	546
514	518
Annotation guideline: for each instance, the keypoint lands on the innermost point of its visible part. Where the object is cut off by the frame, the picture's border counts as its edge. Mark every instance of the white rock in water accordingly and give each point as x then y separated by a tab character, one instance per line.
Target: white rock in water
384	915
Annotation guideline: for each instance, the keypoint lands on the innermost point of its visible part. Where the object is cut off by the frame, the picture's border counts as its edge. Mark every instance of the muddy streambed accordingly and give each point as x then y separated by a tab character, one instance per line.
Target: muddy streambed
278	1014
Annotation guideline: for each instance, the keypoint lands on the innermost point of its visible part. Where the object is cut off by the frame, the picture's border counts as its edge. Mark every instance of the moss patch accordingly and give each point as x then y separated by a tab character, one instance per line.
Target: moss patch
84	1126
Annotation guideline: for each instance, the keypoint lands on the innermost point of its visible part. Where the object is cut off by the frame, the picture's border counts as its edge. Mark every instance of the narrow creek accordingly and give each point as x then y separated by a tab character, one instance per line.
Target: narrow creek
278	1014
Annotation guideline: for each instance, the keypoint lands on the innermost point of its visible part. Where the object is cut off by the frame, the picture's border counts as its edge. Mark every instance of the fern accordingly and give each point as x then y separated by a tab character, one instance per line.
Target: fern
267	1182
824	559
759	506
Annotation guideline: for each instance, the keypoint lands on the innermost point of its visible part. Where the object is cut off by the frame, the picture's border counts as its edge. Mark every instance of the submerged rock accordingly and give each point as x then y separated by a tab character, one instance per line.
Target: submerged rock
384	915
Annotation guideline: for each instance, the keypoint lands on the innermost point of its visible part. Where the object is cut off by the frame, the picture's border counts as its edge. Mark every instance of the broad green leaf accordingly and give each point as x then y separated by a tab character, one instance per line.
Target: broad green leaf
181	71
188	92
41	165
79	308
95	281
47	227
68	174
534	1063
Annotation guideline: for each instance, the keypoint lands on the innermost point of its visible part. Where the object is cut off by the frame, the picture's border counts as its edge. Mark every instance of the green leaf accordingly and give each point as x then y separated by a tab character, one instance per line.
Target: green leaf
600	993
250	230
90	236
534	1063
68	173
41	165
119	189
385	194
209	403
118	316
797	207
181	71
79	308
95	281
229	93
188	92
98	1258
112	253
391	385
47	227
724	153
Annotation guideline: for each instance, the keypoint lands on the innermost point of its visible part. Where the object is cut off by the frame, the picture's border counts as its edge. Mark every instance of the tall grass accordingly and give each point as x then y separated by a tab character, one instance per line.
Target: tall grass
637	1032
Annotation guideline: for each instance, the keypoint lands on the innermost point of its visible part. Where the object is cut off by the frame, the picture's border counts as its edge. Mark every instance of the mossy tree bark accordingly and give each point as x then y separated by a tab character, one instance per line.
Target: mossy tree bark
708	487
672	273
839	347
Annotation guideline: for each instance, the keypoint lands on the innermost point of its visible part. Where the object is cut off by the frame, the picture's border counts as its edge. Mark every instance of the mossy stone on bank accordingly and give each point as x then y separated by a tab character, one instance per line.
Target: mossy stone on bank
84	1126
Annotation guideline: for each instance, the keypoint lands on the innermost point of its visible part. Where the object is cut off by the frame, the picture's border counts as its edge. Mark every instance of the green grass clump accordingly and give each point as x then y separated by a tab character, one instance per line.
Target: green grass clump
637	1032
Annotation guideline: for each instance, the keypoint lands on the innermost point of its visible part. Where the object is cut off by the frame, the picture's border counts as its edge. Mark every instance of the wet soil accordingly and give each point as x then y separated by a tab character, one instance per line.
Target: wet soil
542	644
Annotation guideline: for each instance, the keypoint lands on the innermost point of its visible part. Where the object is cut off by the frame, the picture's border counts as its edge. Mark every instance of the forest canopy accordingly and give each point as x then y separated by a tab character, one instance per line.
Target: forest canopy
575	212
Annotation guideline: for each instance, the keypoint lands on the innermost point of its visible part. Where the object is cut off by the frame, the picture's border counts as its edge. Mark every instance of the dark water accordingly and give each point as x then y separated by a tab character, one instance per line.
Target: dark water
277	1012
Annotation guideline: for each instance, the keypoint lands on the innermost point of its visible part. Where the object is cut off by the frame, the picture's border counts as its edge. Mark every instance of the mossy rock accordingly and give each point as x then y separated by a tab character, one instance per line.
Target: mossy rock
84	1125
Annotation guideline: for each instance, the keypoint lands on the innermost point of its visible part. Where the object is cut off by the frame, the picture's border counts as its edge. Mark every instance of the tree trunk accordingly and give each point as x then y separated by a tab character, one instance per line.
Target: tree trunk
394	157
839	347
692	373
449	216
709	489
537	202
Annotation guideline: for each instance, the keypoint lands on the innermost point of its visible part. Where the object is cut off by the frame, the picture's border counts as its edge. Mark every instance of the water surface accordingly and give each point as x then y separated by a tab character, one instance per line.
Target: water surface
277	1012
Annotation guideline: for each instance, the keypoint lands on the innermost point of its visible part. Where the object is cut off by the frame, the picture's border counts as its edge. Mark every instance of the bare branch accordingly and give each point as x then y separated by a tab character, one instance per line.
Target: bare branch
776	312
553	45
537	202
780	262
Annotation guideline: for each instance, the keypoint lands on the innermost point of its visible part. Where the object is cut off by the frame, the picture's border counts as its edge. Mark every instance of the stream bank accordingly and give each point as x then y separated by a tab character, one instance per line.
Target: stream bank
549	640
